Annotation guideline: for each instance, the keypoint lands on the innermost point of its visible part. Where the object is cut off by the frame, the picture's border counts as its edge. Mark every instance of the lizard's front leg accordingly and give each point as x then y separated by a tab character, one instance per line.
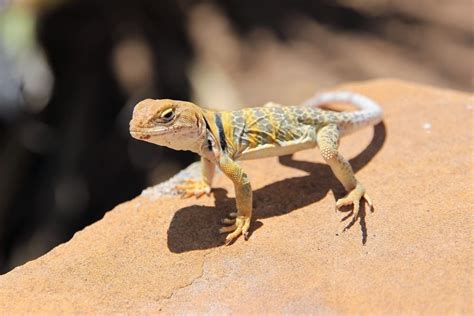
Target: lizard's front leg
328	142
198	188
243	198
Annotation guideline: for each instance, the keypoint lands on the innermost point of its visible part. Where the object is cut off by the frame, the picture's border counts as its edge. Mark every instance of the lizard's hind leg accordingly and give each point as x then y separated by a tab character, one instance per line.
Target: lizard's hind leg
328	142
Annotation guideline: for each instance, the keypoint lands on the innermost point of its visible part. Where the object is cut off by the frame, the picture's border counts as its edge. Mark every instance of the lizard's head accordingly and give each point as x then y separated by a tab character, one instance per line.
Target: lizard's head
176	124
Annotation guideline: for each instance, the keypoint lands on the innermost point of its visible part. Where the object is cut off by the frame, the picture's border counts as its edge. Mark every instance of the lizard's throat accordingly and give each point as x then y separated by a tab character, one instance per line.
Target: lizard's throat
181	140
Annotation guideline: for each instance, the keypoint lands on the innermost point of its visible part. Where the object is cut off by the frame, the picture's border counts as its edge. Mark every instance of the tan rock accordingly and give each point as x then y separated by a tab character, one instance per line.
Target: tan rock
413	254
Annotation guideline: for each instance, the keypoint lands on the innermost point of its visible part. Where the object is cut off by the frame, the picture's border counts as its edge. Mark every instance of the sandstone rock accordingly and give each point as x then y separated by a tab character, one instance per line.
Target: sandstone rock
412	255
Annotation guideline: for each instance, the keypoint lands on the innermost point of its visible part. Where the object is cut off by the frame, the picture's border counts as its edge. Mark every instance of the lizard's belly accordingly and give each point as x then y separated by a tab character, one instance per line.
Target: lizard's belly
272	150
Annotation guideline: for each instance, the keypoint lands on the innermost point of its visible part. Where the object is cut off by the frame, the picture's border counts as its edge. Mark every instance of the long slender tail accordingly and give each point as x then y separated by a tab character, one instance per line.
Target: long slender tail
369	112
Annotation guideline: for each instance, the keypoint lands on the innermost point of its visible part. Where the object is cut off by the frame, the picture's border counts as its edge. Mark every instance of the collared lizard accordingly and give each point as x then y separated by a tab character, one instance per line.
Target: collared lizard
221	138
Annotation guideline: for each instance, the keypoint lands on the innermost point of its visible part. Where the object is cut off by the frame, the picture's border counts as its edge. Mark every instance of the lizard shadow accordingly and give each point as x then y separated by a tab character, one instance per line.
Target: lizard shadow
196	227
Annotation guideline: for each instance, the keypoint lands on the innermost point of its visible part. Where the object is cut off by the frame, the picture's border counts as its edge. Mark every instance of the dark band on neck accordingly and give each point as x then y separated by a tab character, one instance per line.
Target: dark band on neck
208	131
220	128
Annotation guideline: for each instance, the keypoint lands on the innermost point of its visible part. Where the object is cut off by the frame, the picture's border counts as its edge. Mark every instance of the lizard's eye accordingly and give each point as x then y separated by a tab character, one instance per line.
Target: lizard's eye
167	115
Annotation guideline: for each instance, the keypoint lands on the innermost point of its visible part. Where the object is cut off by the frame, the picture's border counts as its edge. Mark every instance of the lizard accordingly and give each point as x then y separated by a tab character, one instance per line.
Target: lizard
223	137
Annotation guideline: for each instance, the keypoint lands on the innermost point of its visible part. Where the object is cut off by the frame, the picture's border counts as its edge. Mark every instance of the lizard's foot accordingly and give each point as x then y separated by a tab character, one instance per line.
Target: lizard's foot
239	225
354	197
231	220
193	187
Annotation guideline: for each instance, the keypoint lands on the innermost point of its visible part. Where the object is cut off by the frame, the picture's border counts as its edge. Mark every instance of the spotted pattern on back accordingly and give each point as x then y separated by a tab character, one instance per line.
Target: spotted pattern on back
253	127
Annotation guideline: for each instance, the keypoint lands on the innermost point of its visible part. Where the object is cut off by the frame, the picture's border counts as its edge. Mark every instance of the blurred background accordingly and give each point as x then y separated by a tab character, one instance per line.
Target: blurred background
71	72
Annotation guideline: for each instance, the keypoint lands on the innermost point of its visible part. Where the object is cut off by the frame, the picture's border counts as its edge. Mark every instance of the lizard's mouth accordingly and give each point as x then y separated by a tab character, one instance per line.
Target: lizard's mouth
146	133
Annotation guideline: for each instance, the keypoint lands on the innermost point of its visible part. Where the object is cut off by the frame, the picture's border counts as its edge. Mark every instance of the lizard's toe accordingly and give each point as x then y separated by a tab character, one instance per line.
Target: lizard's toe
228	221
191	187
354	198
369	202
240	226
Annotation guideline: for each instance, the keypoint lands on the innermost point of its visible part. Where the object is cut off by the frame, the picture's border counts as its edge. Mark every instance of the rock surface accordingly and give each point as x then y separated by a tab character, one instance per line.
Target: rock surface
413	254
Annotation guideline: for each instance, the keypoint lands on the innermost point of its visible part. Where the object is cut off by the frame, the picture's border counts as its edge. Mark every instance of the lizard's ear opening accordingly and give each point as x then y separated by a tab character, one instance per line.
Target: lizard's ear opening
200	120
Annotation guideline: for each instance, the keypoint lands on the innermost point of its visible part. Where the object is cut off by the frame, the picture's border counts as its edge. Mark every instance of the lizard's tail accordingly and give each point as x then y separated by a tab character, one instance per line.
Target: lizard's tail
369	113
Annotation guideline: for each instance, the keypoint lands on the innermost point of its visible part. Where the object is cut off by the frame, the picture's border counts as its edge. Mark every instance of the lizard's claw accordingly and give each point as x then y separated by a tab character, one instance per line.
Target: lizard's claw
193	187
354	197
239	225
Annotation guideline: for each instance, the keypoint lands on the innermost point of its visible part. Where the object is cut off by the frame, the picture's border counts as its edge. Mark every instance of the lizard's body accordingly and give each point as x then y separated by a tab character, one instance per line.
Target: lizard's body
221	138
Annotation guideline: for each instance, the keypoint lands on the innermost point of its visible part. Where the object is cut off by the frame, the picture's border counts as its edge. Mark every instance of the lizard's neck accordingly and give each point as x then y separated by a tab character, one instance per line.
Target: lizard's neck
210	148
195	141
